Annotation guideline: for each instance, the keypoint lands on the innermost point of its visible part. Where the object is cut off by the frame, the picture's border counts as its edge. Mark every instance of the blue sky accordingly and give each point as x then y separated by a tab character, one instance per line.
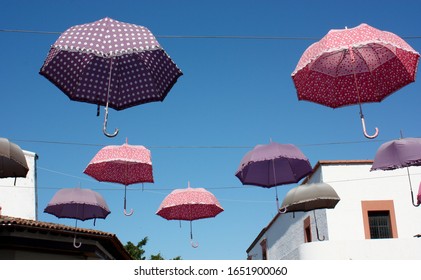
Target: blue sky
234	94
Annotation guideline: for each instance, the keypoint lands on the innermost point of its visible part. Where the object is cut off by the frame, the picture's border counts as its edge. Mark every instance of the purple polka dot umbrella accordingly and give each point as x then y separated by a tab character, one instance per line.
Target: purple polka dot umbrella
189	204
79	204
125	164
112	64
354	66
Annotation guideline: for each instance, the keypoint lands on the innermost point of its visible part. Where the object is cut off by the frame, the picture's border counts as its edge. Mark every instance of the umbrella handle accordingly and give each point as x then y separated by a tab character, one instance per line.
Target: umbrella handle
282	210
416	204
194	244
74	243
104	129
128	214
317	228
365	131
125	211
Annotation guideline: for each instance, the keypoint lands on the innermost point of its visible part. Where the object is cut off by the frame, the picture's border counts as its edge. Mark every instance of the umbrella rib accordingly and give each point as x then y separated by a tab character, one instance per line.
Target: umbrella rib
142	61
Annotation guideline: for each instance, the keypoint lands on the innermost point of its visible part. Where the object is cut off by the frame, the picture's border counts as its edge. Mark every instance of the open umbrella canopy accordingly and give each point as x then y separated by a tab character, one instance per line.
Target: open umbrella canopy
273	165
125	164
399	153
354	66
78	203
110	63
309	197
189	204
12	160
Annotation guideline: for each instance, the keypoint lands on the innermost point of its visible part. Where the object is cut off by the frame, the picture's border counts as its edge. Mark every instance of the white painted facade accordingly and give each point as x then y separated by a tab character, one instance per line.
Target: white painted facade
20	200
343	227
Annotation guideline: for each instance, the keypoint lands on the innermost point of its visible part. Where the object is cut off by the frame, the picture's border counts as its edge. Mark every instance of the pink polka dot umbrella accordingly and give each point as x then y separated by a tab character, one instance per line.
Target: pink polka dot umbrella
354	66
112	64
125	164
189	204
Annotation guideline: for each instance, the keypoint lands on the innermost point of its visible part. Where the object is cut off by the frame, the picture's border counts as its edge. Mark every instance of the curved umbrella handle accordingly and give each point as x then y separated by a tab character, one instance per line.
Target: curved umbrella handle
317	228
128	214
77	246
365	131
416	204
282	210
125	211
104	129
194	244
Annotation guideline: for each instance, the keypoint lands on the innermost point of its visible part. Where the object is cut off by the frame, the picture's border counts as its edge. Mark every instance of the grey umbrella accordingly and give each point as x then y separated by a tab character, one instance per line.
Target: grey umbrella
309	197
404	152
12	160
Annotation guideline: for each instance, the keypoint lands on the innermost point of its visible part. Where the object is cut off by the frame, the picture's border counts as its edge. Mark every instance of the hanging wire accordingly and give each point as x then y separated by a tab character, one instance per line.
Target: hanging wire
237	37
195	146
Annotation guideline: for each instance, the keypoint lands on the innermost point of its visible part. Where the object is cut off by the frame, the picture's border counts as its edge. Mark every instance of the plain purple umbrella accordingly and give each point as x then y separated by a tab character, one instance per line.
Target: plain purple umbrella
110	63
273	165
404	152
77	203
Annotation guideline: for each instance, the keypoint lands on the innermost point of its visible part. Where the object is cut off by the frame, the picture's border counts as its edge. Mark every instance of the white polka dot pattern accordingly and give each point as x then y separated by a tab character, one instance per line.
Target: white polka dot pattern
79	64
126	164
382	63
189	204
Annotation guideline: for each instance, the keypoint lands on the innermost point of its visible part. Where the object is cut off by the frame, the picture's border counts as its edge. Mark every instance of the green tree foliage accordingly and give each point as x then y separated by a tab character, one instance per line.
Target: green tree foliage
137	252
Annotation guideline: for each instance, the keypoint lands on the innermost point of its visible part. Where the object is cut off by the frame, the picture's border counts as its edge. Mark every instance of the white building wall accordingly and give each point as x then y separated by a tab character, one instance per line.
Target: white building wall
356	183
20	200
343	227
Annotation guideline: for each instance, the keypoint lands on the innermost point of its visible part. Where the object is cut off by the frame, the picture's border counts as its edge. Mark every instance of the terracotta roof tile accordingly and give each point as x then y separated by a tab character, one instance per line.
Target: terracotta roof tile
7	220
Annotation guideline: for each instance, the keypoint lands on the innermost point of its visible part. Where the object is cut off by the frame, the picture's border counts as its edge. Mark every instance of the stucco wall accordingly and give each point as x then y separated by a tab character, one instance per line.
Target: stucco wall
20	200
355	183
344	225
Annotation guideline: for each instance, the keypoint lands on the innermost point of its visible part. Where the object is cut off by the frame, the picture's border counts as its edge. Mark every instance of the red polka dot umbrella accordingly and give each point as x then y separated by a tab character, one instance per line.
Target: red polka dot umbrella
125	164
355	66
112	64
189	204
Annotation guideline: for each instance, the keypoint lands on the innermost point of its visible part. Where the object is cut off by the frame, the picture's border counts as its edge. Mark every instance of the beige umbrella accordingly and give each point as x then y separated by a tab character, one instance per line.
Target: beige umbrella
12	160
309	197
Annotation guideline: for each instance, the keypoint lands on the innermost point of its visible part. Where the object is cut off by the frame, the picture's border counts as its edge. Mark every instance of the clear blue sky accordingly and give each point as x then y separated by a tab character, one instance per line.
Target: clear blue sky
234	94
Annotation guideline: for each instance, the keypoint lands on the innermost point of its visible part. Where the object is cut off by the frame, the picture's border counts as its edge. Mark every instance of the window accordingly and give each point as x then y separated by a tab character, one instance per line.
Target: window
379	222
379	219
307	230
263	244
